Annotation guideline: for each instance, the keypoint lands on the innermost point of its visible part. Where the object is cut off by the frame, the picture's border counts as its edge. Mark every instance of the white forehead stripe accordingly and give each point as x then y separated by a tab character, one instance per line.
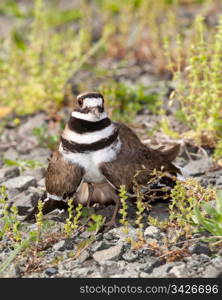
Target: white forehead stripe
92	102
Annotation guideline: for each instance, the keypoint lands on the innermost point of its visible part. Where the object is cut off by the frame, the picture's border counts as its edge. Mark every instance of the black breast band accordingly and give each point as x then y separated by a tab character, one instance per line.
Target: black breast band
83	126
80	148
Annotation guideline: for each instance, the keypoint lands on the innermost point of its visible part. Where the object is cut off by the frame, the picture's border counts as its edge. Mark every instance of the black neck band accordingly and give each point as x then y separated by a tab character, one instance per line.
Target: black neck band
83	126
103	143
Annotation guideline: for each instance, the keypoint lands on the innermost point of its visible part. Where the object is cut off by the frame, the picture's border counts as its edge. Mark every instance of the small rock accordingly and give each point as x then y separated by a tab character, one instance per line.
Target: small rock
197	167
111	253
51	271
20	183
130	256
25	201
199	248
28	144
99	245
212	272
11	154
204	258
121	264
151	263
63	245
68	266
217	262
178	271
85	235
37	173
9	172
152	232
39	154
162	271
32	123
83	256
119	234
59	246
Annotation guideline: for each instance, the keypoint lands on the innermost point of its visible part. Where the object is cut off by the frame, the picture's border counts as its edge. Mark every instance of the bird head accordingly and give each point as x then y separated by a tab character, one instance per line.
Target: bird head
89	106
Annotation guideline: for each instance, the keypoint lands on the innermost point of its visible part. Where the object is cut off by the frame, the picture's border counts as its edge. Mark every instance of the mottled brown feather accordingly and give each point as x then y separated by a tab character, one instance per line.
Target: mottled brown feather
133	157
62	177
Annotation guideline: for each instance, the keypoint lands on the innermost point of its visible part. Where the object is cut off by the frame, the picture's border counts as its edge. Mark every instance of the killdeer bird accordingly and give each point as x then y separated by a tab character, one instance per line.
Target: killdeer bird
97	155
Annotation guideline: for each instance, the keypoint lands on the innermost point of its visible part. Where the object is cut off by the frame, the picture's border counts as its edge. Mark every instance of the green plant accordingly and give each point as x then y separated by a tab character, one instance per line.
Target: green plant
39	219
44	138
185	197
5	212
125	100
24	244
199	84
165	126
68	224
77	217
95	223
35	65
123	210
23	164
72	222
16	223
139	212
155	222
209	218
11	223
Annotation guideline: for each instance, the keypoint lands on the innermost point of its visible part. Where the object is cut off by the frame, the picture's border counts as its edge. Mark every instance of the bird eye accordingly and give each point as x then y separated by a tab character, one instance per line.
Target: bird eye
80	102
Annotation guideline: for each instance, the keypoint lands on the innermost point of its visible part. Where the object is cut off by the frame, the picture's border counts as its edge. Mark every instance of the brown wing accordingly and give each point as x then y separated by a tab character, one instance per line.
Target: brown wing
62	177
134	158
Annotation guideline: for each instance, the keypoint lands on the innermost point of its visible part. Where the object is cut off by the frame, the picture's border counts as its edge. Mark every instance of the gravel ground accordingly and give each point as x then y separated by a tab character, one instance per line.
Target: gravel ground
110	254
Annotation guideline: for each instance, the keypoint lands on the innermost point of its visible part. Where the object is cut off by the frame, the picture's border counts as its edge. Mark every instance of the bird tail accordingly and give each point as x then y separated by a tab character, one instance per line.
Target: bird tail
170	154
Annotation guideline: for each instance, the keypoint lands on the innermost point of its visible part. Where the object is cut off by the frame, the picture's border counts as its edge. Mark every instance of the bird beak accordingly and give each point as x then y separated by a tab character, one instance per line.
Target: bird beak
95	112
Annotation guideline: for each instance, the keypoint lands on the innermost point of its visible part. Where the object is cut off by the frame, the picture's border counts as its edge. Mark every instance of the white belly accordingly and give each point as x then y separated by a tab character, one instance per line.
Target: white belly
91	161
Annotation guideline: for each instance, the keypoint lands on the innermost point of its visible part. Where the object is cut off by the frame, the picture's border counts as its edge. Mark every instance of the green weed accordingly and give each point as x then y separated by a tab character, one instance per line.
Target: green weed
44	138
185	197
95	223
209	218
125	100
139	212
35	68
123	210
199	84
23	164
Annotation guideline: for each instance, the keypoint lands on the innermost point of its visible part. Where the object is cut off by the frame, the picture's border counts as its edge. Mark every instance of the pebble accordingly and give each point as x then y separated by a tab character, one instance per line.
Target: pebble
197	167
130	256
83	256
178	271
111	253
25	201
151	263
51	271
152	232
200	248
11	154
9	172
20	183
38	173
63	245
